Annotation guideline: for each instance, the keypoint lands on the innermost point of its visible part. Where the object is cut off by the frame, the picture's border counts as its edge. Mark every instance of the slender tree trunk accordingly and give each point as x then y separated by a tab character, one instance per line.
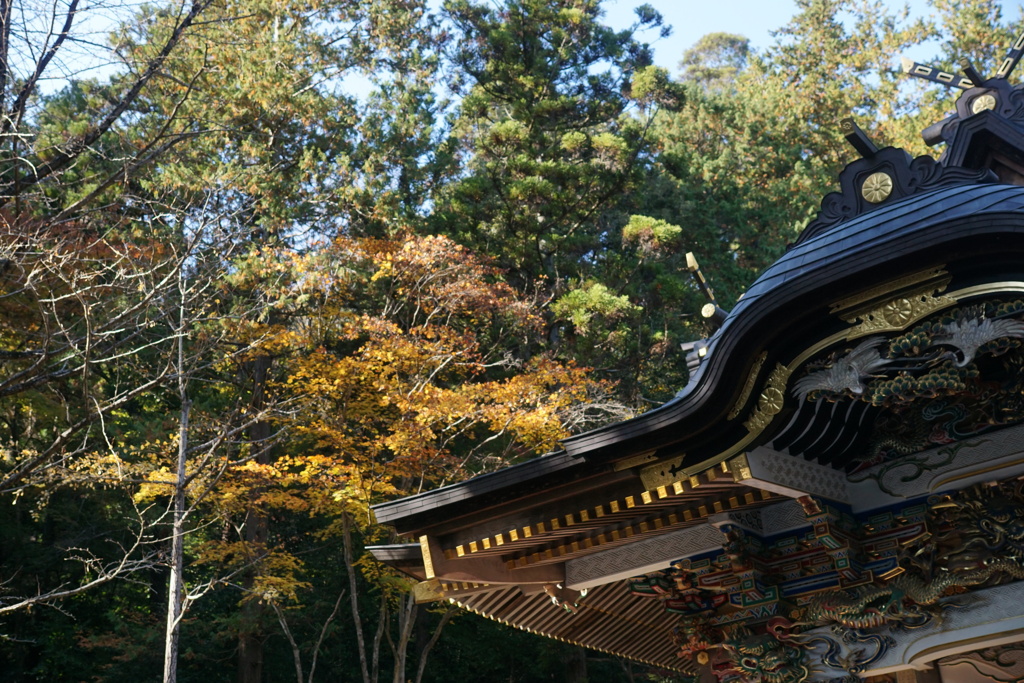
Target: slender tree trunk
353	592
250	640
250	645
406	622
576	666
383	624
296	652
5	48
323	634
6	7
175	599
425	648
627	668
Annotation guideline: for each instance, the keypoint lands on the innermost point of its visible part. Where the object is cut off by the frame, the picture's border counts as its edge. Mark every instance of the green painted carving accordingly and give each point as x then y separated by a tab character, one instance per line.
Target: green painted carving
766	658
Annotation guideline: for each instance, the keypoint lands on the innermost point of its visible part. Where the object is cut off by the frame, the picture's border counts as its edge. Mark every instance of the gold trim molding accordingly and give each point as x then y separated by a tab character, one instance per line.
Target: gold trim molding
899	313
867	299
895	305
644	458
947	481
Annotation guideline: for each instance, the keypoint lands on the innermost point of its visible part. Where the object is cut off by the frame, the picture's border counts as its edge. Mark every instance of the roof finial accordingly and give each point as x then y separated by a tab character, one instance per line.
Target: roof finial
1012	57
858	138
711	311
698	276
972	77
930	73
971	72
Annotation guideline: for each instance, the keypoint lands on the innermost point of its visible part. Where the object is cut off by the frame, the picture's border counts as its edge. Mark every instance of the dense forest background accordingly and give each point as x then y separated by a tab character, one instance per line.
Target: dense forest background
239	304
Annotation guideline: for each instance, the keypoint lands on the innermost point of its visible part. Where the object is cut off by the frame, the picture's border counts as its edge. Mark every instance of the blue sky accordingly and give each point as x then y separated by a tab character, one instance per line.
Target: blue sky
752	18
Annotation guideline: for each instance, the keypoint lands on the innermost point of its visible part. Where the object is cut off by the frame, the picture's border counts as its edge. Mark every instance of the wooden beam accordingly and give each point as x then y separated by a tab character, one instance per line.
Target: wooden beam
488	569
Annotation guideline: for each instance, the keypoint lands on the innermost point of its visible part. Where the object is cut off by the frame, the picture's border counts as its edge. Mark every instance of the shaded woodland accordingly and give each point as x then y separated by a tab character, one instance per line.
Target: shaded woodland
264	264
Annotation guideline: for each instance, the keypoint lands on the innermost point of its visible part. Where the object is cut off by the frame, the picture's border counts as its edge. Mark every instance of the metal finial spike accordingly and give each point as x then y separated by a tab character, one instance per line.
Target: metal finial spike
970	71
858	138
698	276
930	73
1012	57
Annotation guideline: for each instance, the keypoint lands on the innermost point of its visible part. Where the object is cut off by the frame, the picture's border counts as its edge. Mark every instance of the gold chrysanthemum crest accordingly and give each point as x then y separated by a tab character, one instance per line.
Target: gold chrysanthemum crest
877	187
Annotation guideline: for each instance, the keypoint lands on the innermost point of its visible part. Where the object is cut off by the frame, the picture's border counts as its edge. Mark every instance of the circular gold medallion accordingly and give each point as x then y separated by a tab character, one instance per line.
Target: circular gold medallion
702	658
877	187
983	102
898	312
772	399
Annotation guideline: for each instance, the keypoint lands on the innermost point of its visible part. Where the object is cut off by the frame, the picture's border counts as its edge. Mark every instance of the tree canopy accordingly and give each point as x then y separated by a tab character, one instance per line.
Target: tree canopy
246	297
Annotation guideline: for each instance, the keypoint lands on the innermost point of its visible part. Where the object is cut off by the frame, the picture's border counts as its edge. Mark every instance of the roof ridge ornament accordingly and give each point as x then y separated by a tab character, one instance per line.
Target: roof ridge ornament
880	177
973	77
856	136
981	94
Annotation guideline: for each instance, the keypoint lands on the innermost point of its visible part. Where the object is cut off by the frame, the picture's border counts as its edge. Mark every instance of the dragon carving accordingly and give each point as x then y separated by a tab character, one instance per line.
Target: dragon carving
978	541
973	538
764	658
907	601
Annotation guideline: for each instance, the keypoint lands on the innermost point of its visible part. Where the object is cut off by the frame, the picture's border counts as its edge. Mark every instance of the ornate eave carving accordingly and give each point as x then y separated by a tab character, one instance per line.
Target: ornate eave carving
770	402
865	556
882	178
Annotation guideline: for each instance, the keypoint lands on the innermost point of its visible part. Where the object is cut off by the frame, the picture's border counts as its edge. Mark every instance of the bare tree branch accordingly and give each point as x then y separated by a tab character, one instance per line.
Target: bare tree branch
77	145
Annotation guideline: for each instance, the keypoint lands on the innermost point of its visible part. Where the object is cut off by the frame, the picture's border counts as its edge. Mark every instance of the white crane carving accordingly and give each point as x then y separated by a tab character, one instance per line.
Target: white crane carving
846	373
968	334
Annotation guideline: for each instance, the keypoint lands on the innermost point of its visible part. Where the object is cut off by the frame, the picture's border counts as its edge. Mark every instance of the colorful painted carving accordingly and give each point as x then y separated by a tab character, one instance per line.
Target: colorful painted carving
755	611
932	359
764	658
679	590
696	638
955	375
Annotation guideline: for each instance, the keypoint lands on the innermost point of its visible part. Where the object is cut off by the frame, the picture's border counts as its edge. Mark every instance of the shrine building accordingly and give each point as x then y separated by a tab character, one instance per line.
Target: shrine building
837	494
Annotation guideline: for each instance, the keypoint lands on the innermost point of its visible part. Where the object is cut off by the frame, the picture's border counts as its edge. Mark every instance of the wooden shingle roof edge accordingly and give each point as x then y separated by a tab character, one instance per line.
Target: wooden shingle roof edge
544	466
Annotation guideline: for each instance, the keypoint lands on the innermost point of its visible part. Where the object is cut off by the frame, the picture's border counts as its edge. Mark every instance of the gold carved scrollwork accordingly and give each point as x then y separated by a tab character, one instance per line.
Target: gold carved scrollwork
896	314
896	304
748	388
898	311
921	290
769	404
739	467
